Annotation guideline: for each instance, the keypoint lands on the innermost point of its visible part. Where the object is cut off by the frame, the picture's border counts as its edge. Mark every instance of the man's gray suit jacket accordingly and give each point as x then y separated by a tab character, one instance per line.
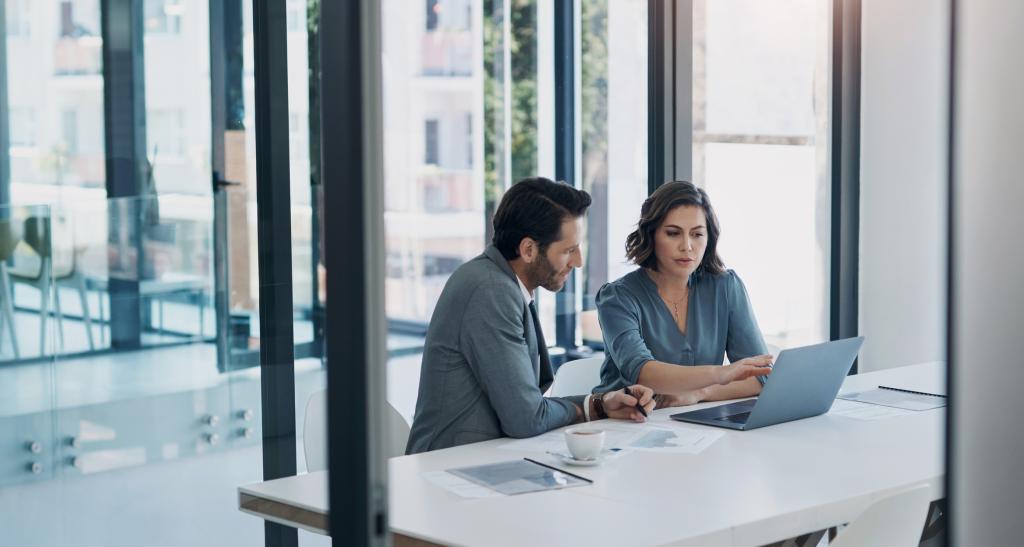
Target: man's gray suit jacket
482	375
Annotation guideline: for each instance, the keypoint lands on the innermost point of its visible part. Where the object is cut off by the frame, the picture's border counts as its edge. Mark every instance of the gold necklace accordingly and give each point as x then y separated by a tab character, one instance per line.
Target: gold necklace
675	303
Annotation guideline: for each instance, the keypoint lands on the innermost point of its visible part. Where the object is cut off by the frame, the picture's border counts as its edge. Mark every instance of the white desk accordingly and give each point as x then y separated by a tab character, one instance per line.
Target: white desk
748	488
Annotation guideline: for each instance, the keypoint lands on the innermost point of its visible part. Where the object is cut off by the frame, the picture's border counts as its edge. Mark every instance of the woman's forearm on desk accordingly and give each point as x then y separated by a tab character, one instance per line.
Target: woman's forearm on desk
667	378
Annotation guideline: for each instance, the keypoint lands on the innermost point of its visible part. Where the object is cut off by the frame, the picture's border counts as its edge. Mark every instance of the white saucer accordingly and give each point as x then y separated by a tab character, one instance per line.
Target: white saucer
582	463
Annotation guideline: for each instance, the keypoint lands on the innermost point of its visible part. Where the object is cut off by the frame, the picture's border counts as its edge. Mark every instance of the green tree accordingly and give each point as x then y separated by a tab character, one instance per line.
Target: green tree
594	92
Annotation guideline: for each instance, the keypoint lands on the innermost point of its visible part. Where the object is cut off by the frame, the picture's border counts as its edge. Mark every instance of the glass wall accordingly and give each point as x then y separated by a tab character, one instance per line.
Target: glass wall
468	102
120	396
177	95
613	129
55	96
761	150
87	419
484	119
434	148
434	79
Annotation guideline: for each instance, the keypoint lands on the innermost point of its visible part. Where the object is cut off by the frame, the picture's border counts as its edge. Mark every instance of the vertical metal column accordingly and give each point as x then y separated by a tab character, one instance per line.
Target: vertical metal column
315	182
565	151
124	108
986	265
356	330
277	366
681	149
659	91
953	251
5	141
845	170
226	111
669	92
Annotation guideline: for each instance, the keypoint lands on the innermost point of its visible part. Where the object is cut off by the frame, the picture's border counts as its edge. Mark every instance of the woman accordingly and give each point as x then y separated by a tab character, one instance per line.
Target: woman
668	324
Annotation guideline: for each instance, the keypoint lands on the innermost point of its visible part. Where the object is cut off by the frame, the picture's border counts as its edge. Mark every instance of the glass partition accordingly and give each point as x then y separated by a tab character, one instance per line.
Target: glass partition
613	130
761	149
467	104
127	397
129	377
28	451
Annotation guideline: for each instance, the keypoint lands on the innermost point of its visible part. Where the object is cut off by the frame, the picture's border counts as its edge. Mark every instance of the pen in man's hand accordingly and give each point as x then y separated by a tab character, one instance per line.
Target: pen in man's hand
638	405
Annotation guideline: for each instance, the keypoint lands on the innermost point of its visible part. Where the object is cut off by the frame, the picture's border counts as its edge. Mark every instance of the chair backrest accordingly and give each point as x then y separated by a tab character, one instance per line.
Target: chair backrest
314	432
37	235
9	238
577	377
896	520
398	432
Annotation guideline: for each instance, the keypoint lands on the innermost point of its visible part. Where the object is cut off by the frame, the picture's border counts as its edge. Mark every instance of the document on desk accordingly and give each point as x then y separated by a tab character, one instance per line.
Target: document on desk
865	411
625	436
897	398
458	485
679	440
518	477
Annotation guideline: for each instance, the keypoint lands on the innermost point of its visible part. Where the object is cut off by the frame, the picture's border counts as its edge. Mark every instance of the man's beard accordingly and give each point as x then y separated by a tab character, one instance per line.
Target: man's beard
543	274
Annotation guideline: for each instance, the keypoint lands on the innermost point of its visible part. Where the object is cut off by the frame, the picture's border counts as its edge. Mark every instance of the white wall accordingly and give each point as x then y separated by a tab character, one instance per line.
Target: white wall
904	104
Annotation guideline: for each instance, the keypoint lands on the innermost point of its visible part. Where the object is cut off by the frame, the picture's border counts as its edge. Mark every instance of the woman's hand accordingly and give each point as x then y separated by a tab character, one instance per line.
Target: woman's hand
759	365
623	407
665	400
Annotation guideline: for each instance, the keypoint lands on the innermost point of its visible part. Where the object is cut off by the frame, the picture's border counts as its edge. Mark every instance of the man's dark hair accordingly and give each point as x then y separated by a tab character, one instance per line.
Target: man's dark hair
535	208
668	196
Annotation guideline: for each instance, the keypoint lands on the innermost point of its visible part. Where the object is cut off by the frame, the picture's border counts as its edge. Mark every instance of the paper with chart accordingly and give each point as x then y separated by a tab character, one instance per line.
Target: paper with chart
625	436
679	440
865	411
519	477
458	485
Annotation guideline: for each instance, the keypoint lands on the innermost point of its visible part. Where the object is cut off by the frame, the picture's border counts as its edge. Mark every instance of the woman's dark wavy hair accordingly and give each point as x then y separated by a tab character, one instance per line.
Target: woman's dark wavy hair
535	208
640	243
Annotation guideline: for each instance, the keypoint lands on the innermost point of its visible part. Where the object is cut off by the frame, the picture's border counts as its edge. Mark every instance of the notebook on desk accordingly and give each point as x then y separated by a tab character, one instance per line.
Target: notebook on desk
898	398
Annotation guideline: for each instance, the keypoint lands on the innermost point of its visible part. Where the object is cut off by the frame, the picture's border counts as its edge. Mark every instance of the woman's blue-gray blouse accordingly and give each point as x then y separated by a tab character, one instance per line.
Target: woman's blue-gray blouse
638	326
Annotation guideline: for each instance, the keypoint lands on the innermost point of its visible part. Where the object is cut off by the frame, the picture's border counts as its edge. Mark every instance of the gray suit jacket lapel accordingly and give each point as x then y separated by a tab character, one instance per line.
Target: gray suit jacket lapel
541	366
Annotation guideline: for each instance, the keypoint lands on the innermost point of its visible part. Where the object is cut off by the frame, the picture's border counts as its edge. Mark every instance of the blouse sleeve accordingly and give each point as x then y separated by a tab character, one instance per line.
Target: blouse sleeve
744	337
619	314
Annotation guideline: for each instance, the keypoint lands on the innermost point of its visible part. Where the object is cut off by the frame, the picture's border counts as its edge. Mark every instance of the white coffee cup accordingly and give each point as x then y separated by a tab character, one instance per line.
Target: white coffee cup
584	442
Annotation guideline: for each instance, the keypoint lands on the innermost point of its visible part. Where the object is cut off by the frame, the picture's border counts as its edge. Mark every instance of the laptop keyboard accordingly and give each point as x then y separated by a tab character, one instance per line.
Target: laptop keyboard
740	418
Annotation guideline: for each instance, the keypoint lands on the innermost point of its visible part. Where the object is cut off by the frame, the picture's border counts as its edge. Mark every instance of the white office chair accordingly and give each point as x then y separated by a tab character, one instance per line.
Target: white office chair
48	269
577	377
893	521
314	432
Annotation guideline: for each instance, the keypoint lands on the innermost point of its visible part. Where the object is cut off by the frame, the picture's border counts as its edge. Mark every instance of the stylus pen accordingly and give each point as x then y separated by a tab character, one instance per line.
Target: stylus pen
638	405
559	470
912	391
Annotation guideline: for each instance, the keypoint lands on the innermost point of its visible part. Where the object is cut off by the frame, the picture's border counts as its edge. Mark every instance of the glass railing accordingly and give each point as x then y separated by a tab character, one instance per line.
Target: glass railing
113	399
26	335
108	346
120	377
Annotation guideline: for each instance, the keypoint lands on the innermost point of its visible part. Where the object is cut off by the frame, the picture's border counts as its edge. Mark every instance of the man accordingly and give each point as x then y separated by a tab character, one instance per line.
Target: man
485	364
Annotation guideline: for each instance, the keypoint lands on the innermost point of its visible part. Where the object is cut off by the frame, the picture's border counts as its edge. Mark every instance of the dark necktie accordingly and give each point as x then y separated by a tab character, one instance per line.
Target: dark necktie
546	375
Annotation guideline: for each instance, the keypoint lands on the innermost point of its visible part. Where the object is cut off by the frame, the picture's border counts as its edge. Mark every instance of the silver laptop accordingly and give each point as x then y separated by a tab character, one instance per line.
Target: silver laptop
803	383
